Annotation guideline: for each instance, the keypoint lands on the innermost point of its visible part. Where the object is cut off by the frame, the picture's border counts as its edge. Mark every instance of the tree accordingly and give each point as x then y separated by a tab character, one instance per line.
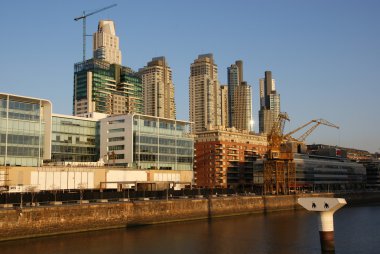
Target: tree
33	189
81	187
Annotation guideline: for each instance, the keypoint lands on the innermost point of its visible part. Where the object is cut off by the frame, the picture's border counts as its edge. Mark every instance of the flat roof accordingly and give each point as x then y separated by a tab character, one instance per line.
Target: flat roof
24	98
152	117
75	117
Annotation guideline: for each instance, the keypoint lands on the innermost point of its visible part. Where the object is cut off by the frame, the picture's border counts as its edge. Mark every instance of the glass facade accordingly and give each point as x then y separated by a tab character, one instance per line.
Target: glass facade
162	144
22	131
74	139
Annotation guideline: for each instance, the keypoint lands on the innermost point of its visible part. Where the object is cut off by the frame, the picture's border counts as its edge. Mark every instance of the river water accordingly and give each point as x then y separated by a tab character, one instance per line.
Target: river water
356	231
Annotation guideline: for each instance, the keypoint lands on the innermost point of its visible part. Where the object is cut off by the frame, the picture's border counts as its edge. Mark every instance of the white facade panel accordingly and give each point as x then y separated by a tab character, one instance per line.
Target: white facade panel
71	180
34	178
171	177
125	175
77	180
90	180
50	181
57	180
41	180
64	180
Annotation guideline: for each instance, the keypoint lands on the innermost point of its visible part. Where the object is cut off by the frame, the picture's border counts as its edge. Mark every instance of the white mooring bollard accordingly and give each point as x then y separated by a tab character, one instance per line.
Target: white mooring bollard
326	207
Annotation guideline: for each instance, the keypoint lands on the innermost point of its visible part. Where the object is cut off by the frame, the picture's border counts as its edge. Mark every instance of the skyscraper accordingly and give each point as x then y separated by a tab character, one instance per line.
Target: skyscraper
158	89
239	98
242	117
204	90
269	103
101	84
106	43
233	78
224	105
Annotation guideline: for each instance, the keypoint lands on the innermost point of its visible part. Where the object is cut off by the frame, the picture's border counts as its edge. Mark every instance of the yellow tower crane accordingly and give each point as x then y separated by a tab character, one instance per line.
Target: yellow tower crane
279	168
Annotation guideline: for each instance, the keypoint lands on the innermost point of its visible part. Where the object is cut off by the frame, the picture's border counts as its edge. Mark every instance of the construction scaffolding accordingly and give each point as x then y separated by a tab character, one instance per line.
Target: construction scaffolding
279	177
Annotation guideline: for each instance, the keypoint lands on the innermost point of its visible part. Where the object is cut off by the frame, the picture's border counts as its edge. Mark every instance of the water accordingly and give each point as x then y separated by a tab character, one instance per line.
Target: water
356	231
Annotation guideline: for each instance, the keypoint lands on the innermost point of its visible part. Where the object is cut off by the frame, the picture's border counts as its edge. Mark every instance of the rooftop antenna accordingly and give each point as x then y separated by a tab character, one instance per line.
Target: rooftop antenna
83	18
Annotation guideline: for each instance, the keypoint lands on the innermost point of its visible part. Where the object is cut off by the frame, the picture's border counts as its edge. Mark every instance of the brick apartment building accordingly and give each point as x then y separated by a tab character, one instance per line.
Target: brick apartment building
224	157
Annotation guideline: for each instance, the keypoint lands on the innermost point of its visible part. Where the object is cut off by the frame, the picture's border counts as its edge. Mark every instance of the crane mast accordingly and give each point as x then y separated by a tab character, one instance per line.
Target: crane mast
83	18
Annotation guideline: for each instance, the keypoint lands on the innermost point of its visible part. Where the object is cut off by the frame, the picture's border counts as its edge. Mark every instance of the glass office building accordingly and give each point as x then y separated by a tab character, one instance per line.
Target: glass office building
74	139
147	142
25	130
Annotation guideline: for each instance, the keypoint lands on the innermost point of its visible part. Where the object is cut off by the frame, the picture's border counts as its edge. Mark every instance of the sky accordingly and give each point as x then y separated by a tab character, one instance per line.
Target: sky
324	55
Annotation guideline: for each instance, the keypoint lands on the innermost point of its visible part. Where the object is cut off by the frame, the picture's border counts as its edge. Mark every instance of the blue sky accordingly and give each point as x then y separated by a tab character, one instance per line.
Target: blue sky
323	54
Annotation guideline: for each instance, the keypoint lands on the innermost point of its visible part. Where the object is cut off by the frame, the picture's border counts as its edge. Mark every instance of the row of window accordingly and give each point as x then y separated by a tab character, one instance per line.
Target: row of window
114	139
60	122
21	116
116	121
116	148
90	141
162	158
20	105
19	139
20	151
116	130
165	150
162	124
74	157
73	149
163	141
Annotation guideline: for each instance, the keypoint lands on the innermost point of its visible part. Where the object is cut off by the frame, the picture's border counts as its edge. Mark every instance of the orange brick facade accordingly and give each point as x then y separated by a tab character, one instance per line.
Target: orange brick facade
224	159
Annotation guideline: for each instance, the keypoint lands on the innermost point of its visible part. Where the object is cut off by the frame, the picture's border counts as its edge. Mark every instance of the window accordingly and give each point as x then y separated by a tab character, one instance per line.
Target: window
119	156
116	130
115	139
116	148
116	121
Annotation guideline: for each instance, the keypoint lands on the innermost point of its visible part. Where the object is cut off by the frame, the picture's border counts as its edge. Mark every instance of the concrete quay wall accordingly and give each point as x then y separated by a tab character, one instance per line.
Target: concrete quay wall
16	223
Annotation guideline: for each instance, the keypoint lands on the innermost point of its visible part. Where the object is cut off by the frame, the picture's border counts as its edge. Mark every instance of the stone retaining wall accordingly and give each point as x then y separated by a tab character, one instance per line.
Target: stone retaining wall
50	220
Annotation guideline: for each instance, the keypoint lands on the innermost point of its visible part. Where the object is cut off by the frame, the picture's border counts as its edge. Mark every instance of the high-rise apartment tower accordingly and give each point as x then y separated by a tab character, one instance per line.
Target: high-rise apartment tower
158	89
239	98
224	105
242	116
233	78
204	90
269	103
